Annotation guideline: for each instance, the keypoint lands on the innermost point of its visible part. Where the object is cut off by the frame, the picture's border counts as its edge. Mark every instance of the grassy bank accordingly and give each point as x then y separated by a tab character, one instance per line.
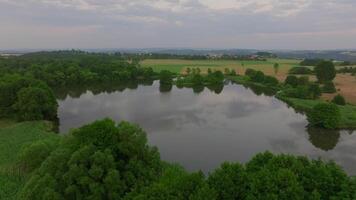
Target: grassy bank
13	136
348	112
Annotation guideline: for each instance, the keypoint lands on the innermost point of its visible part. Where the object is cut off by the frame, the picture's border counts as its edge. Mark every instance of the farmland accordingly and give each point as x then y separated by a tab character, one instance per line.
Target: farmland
179	65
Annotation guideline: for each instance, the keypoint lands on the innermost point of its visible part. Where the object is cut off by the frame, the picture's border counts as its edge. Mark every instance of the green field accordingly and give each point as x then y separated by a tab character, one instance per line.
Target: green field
13	136
179	65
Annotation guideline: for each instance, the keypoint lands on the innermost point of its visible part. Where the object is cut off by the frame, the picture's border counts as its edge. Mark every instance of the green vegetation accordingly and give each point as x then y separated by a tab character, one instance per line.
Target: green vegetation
347	112
180	65
329	87
339	100
325	71
324	115
13	138
260	77
300	70
25	98
104	160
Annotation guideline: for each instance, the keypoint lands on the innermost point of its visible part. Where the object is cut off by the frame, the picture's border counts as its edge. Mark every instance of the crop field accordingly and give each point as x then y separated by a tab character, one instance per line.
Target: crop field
13	136
180	66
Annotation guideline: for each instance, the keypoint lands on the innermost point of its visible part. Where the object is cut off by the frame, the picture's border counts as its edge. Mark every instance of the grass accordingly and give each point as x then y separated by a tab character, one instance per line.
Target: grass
348	112
13	136
180	65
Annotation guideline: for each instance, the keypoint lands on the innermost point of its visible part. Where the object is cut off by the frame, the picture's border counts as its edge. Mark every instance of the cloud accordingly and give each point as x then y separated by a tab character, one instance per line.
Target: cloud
183	23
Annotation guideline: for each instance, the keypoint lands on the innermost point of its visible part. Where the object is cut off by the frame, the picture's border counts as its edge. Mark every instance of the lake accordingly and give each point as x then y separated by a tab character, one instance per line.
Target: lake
202	129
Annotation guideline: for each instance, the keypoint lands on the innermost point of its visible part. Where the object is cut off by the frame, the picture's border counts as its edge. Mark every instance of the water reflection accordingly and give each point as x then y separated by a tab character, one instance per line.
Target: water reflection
222	123
323	139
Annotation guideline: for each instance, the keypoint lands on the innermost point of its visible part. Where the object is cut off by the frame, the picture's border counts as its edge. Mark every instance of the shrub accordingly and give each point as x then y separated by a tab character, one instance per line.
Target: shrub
324	115
329	87
300	70
339	100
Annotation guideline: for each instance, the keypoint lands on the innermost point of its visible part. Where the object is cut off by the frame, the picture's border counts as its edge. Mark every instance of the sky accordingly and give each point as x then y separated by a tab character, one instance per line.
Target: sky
217	24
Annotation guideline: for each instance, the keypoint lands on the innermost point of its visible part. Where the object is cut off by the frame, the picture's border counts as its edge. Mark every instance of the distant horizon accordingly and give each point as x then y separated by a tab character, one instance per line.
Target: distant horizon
165	48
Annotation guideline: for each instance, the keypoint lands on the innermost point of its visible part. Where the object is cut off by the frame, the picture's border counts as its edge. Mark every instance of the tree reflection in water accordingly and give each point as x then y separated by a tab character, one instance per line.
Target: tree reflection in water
323	139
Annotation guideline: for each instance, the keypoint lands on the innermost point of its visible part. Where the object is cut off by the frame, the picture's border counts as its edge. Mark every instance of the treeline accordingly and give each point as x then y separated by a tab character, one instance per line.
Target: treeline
104	160
26	82
75	67
261	57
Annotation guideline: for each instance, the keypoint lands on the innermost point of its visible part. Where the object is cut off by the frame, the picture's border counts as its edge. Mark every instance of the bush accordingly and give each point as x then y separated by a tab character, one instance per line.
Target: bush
329	87
339	100
324	115
300	70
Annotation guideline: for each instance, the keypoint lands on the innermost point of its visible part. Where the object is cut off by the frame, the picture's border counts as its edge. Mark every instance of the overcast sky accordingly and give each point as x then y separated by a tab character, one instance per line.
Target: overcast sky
260	24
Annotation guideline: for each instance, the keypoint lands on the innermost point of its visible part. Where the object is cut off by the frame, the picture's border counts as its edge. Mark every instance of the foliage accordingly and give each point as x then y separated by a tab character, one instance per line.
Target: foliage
310	62
260	77
329	87
324	115
300	70
98	161
165	77
339	100
325	71
32	155
291	80
12	140
26	98
176	183
35	103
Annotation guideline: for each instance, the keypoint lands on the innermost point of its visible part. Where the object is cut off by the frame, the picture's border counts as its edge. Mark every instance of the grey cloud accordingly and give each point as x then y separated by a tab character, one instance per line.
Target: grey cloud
179	23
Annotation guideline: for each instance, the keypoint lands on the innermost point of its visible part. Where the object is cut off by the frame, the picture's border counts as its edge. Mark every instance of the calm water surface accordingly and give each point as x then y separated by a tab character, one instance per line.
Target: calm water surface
200	131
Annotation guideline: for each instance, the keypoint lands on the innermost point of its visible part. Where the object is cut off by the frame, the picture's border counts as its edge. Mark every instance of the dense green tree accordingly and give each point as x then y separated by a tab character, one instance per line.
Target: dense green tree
230	181
291	80
324	115
165	77
325	71
329	87
339	100
35	103
98	161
